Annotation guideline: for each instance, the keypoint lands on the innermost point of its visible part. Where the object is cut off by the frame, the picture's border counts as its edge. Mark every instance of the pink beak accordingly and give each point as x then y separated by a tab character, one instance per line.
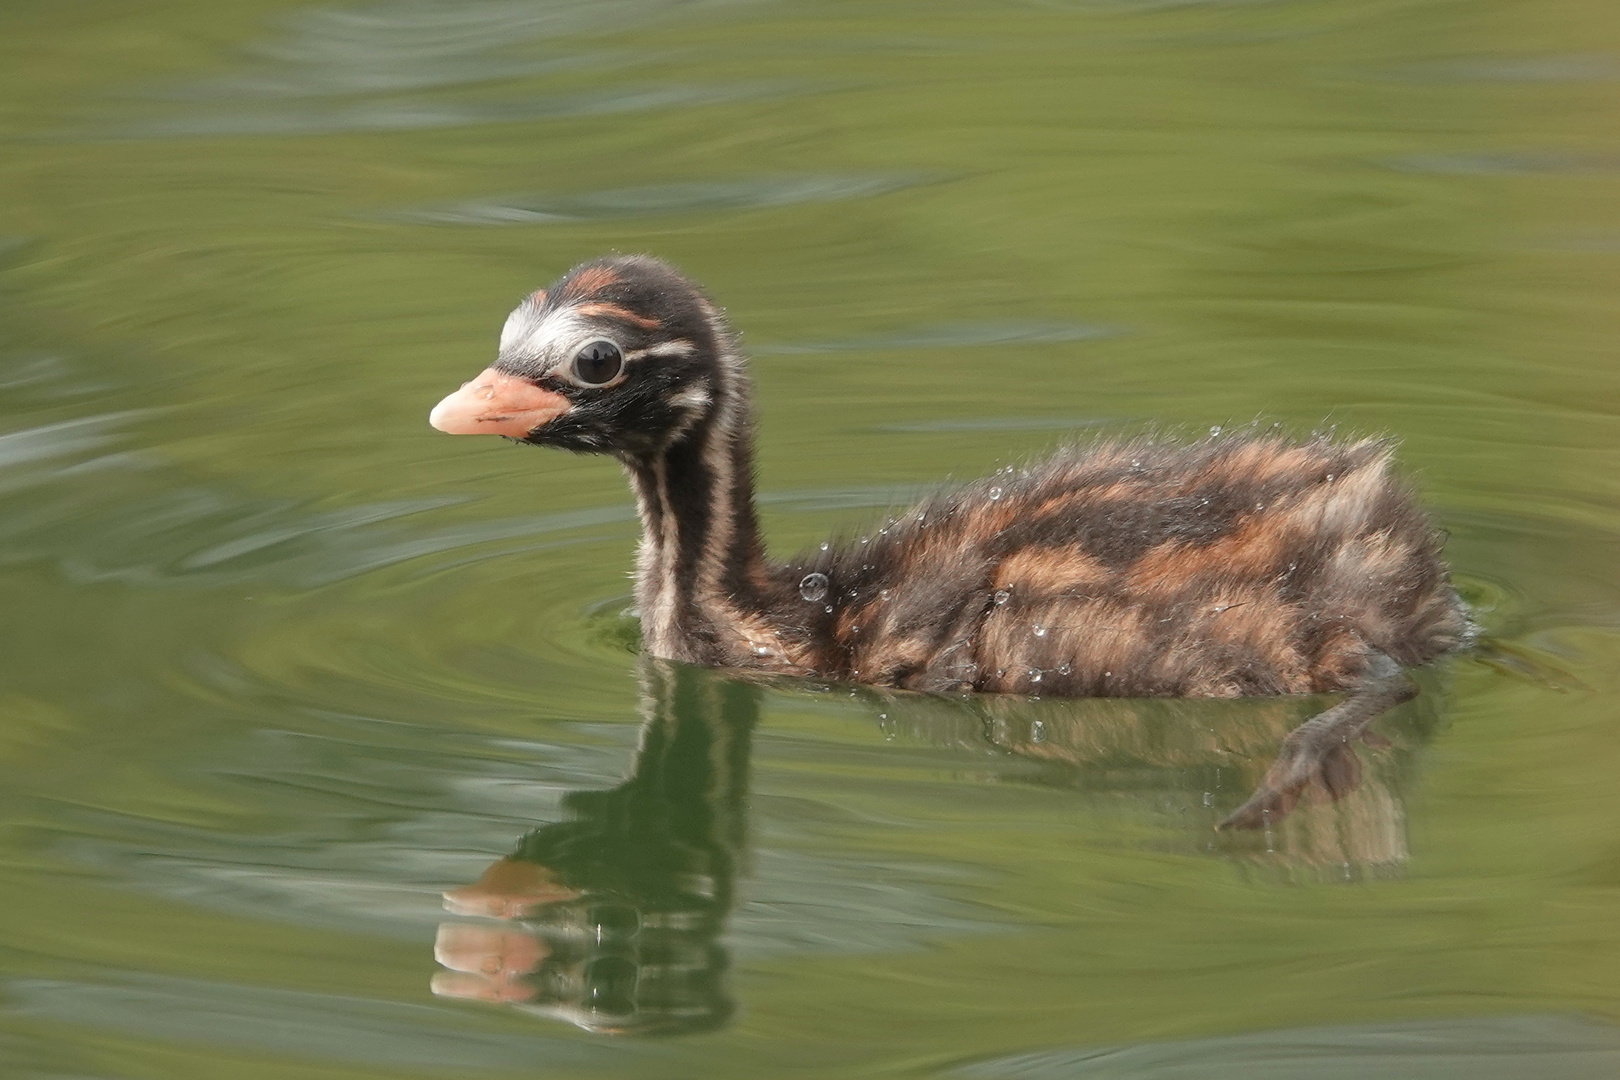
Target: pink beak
495	403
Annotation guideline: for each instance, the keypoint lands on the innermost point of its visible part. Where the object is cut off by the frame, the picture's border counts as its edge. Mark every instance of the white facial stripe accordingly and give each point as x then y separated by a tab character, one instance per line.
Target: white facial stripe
564	324
663	617
517	325
527	336
695	398
721	440
678	347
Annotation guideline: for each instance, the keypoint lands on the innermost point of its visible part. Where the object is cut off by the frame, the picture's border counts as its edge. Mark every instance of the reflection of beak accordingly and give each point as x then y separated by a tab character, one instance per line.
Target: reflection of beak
495	403
480	987
487	950
509	889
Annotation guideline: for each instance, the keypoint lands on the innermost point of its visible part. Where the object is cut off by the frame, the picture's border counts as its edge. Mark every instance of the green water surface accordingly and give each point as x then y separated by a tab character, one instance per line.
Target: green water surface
281	666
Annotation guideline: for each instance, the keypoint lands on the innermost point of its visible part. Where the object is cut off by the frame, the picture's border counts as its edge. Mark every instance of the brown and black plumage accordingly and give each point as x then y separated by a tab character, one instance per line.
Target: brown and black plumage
1248	564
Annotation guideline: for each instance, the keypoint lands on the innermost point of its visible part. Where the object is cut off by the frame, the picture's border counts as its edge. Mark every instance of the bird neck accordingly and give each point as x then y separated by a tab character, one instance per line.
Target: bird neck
701	564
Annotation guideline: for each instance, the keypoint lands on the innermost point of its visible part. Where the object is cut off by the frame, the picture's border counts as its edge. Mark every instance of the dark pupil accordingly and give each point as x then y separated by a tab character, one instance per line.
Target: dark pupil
598	362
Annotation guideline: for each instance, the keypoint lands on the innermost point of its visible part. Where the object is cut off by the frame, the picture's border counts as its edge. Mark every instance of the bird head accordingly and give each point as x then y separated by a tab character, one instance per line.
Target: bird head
623	356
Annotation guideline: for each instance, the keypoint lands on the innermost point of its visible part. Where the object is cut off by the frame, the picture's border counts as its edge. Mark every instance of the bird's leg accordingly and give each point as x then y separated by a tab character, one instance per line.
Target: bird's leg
1319	749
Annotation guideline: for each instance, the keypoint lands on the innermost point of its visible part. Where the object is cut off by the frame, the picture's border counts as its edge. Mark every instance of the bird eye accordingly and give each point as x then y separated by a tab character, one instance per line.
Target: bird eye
598	363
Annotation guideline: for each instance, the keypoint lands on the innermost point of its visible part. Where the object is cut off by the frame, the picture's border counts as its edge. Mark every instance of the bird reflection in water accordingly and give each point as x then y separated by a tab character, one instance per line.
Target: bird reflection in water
612	917
1249	783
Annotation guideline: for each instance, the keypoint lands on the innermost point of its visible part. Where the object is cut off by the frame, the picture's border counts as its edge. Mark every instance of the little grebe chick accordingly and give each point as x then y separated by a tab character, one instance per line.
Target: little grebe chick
1242	565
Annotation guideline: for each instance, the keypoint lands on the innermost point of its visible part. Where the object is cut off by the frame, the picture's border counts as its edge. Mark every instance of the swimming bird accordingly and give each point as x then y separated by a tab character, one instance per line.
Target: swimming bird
1244	564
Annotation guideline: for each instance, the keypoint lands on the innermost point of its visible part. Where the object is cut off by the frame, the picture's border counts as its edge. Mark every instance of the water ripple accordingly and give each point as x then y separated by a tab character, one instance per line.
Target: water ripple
1554	68
325	1027
422	113
1484	1048
951	335
390	77
387	48
1502	163
408	33
684	197
331	69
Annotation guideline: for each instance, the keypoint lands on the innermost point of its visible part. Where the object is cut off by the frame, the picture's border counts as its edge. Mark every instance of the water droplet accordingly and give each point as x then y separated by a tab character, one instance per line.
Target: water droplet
825	545
813	587
1001	597
866	539
883	594
1040	631
1214	431
995	492
1330	476
1136	463
828	609
1066	669
1037	732
1107	674
1209	798
1034	675
883	716
760	650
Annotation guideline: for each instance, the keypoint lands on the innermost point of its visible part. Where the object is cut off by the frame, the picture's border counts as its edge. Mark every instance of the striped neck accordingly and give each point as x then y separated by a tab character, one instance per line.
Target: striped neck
701	564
